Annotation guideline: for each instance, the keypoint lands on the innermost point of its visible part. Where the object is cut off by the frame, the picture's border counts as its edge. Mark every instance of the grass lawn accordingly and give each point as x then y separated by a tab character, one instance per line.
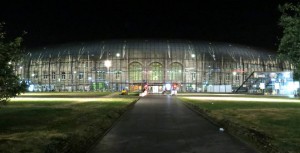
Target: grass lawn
278	120
43	122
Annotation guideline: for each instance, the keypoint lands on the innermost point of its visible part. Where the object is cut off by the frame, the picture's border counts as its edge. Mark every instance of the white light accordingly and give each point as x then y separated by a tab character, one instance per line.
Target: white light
286	74
234	73
9	63
32	74
262	85
74	72
31	87
168	86
296	85
193	55
21	67
90	78
107	63
118	54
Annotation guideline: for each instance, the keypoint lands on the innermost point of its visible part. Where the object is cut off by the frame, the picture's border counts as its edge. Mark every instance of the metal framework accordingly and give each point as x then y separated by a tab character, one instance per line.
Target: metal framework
192	65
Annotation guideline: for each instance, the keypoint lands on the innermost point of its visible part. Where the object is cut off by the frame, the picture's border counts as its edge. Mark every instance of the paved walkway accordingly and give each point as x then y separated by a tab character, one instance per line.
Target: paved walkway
162	124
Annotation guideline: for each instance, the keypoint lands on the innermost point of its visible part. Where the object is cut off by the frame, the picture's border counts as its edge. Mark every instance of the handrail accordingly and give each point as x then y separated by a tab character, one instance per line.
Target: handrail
244	82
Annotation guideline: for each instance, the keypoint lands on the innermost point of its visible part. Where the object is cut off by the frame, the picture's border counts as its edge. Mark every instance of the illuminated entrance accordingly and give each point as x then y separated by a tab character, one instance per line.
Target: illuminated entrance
155	88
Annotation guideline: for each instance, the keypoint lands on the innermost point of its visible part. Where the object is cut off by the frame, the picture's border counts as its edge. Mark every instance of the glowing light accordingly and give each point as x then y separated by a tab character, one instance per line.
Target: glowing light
286	74
234	73
193	55
118	54
107	63
31	87
262	85
168	86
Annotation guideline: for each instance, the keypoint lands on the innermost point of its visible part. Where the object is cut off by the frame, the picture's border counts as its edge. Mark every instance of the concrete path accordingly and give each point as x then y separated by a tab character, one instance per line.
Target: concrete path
162	124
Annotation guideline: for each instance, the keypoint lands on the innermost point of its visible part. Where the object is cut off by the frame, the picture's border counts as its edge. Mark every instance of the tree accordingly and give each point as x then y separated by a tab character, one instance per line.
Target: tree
10	53
289	47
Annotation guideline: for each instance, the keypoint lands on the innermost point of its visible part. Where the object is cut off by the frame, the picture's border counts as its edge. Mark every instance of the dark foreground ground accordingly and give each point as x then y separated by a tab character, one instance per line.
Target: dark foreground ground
162	124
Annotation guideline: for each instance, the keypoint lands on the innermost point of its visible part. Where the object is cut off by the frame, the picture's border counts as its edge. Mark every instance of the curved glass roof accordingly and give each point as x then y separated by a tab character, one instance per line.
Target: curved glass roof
212	49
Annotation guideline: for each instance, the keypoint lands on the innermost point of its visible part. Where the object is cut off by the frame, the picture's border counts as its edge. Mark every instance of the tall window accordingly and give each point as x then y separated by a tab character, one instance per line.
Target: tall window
193	74
53	75
118	74
70	75
175	73
101	75
135	71
45	75
156	72
36	74
80	76
237	77
63	75
227	77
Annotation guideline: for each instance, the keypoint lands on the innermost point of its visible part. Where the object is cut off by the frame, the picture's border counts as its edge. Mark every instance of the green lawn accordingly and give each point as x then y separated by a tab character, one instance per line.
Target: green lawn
53	124
278	120
65	94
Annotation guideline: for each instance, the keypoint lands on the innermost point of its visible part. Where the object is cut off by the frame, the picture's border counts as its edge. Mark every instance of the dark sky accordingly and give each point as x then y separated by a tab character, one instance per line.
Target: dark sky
248	22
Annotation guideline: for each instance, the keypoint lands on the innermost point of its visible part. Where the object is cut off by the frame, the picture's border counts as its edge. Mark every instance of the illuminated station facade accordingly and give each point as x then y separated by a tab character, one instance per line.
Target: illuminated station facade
187	66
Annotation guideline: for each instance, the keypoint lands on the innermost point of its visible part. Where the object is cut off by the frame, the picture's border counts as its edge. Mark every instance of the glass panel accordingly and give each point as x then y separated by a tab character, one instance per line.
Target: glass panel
175	72
156	72
135	71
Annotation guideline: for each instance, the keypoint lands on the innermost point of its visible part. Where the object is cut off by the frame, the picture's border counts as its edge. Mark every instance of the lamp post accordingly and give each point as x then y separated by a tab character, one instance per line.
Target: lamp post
119	75
233	77
75	80
107	64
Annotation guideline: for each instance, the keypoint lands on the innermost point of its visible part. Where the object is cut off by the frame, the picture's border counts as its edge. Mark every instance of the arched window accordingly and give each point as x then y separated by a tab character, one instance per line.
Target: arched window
175	72
156	72
135	71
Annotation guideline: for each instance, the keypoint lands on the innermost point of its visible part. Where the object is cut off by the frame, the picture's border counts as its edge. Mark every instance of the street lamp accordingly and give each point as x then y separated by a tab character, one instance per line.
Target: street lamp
119	73
233	77
107	64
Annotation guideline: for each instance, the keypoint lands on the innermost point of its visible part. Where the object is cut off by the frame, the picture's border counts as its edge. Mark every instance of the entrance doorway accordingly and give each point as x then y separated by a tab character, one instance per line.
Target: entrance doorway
155	89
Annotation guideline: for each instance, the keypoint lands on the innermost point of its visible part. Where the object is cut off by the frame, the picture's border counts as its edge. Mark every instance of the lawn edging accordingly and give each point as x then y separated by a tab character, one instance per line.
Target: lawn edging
81	143
256	138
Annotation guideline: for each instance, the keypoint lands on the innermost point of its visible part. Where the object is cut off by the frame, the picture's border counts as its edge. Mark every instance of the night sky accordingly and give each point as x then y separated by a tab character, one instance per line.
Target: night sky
247	22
